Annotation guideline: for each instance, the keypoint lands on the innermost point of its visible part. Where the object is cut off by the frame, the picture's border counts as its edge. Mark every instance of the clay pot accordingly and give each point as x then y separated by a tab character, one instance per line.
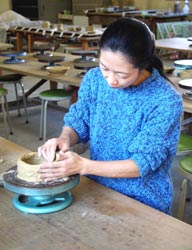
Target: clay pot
27	166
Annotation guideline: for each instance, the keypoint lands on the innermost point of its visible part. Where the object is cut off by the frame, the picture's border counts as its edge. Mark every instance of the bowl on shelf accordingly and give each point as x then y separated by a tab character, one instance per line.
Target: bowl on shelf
57	70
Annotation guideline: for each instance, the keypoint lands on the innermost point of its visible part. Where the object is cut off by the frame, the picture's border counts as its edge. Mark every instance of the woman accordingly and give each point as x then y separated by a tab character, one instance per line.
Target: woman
129	113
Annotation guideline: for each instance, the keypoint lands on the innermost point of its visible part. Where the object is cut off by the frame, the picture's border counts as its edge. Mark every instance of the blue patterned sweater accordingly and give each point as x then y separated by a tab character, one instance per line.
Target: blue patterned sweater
141	123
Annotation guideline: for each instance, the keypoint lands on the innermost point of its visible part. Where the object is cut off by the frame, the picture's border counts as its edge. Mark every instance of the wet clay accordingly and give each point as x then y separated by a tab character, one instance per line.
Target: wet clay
27	167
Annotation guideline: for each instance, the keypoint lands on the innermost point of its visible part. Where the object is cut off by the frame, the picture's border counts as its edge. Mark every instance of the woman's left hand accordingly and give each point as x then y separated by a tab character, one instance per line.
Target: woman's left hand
66	164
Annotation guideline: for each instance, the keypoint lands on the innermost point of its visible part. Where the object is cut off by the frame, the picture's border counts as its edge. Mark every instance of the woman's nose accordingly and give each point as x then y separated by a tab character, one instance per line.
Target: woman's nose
110	77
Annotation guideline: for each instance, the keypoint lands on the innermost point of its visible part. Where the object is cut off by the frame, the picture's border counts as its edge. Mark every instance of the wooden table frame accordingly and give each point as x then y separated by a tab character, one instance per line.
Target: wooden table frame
61	37
98	218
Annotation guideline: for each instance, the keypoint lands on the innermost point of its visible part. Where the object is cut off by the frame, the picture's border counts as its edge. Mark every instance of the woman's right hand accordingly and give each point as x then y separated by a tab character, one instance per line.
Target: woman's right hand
49	150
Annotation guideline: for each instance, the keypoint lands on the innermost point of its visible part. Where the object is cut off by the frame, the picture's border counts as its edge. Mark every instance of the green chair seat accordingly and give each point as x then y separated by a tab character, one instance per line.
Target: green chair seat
185	143
3	91
186	164
54	94
185	167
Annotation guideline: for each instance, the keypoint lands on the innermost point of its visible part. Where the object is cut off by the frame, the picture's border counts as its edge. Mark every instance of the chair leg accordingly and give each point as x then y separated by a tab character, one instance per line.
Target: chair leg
45	122
6	117
182	199
41	121
24	100
17	99
188	195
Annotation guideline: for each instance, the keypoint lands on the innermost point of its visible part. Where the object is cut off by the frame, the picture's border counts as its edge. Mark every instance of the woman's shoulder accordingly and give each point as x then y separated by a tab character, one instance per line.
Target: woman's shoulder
93	72
92	77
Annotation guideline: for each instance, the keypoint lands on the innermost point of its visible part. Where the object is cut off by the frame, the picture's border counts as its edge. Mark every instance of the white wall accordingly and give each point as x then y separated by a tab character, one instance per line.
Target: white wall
4	5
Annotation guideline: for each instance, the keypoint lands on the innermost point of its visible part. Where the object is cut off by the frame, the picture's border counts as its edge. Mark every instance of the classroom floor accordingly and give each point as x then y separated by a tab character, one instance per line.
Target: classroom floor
27	135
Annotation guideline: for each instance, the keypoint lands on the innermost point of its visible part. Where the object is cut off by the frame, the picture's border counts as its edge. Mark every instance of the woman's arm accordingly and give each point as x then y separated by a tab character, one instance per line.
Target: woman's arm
119	169
69	163
72	136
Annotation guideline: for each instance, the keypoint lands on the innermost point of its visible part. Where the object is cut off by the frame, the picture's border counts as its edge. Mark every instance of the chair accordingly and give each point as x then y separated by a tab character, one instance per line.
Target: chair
53	95
185	145
185	169
4	106
16	79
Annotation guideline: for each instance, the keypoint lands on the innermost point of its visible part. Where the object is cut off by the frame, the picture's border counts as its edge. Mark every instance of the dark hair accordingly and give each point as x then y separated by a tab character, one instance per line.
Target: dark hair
134	39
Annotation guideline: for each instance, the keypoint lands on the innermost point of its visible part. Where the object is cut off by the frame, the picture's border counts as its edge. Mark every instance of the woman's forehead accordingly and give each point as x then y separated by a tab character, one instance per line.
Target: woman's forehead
114	58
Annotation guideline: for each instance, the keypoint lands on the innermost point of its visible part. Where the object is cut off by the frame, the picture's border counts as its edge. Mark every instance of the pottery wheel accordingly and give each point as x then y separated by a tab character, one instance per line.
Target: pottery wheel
39	198
42	49
52	60
16	185
84	55
86	65
13	57
187	85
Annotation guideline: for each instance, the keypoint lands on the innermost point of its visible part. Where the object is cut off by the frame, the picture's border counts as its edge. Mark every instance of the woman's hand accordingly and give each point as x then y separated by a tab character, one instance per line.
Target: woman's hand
63	143
49	149
68	163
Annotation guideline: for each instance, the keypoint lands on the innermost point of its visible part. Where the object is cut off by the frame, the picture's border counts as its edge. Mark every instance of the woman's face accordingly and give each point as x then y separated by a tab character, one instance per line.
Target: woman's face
117	70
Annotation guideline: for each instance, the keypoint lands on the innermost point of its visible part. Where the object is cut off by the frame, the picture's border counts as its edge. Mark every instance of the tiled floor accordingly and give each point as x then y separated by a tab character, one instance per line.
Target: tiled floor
27	135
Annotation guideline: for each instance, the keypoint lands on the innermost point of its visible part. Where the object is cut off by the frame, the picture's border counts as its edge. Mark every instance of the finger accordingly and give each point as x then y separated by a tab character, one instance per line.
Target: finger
50	175
48	153
39	151
50	168
60	156
47	177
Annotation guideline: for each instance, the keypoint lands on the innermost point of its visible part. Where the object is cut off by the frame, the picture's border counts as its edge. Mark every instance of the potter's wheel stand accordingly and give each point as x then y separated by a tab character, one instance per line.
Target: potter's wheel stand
13	57
39	198
43	50
84	55
85	66
52	60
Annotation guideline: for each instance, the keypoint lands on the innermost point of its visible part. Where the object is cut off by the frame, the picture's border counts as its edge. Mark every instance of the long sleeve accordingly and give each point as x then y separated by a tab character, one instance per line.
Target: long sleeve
140	123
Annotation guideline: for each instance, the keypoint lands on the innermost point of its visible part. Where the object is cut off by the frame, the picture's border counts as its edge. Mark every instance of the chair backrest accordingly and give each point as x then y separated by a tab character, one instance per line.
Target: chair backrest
174	29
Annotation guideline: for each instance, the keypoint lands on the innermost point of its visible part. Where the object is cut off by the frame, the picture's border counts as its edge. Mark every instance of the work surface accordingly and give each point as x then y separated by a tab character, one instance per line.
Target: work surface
98	218
32	67
175	43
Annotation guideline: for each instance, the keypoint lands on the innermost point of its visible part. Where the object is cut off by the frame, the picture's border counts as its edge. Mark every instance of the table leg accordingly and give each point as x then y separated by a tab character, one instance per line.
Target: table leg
84	44
30	42
53	85
74	95
19	41
36	86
